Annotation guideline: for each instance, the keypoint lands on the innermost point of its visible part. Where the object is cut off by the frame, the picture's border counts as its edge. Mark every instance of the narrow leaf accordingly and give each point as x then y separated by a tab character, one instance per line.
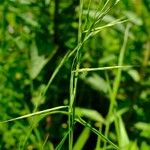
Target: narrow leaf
124	140
100	68
82	139
97	132
59	146
51	110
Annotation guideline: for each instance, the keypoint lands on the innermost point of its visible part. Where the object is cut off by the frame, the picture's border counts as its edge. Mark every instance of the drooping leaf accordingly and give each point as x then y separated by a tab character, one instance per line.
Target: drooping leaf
134	74
133	17
97	83
90	114
37	61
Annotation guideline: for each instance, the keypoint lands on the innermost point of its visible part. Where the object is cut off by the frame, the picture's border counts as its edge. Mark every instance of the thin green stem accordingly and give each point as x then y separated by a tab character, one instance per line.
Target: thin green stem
46	111
80	120
118	76
100	68
74	79
116	83
98	143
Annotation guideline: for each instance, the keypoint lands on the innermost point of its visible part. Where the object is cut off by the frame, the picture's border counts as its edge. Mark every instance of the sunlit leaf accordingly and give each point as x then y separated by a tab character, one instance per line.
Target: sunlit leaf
82	139
144	146
46	111
133	146
134	74
89	113
96	132
124	140
37	61
96	82
133	17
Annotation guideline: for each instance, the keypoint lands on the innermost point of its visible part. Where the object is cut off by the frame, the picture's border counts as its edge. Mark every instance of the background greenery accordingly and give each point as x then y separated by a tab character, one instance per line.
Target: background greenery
35	35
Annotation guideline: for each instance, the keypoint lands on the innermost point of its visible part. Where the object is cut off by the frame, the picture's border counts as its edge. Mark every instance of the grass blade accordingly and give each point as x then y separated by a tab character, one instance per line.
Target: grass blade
82	139
62	141
100	68
51	110
81	121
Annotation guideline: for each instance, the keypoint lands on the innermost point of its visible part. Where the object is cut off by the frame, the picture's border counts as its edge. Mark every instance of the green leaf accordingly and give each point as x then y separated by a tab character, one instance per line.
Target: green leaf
134	74
49	111
123	139
145	128
133	17
90	114
118	113
59	146
133	146
81	141
96	82
29	20
37	61
107	59
144	146
84	123
101	68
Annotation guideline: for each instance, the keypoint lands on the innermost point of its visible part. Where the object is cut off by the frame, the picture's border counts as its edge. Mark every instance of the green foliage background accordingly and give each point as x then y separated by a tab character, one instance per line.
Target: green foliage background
35	35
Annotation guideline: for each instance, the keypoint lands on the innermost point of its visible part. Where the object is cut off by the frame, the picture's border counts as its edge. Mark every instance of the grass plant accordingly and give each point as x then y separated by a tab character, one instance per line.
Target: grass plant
86	31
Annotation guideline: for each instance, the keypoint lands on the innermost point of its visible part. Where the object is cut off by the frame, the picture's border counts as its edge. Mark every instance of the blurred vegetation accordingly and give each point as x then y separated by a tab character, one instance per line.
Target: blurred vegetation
35	36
